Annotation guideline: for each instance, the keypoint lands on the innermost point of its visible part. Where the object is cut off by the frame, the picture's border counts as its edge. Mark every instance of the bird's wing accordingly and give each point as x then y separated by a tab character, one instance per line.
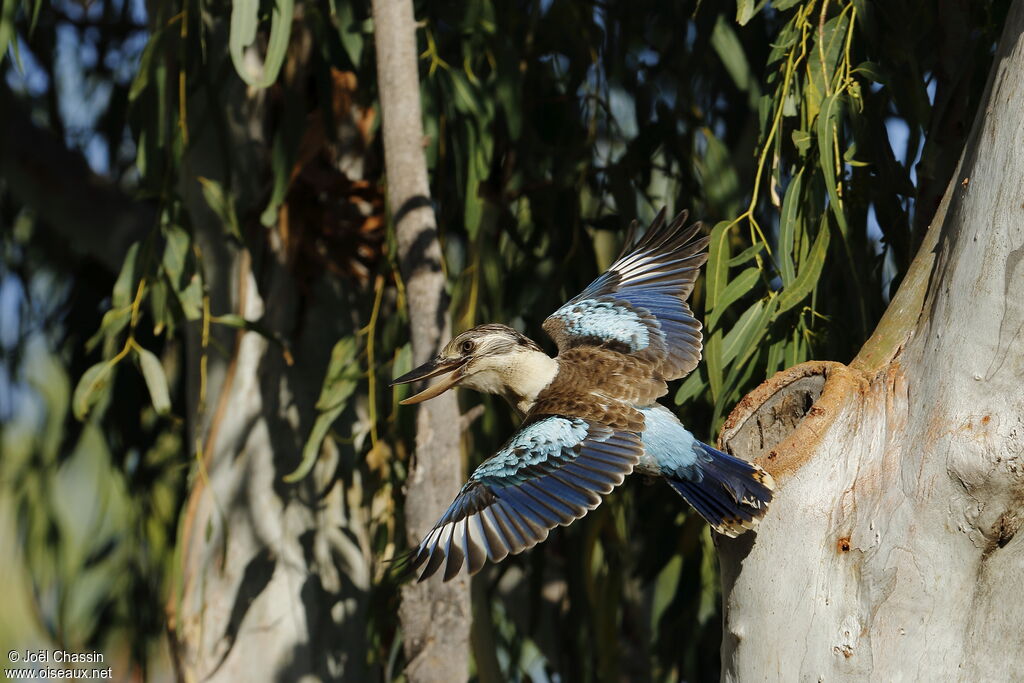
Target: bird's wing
552	472
639	305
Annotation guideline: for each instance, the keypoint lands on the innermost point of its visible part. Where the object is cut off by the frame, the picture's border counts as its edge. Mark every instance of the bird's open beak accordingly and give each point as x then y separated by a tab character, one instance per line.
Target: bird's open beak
432	368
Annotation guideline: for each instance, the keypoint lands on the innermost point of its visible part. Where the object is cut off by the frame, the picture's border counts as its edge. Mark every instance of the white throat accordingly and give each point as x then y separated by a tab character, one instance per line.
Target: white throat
519	377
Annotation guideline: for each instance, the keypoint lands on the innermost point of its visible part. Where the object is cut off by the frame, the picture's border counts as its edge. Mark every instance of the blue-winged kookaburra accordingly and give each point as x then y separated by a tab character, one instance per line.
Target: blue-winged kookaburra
591	413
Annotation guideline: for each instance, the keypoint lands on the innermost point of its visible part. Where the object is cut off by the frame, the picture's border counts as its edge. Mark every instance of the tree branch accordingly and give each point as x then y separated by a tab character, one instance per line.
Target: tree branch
81	209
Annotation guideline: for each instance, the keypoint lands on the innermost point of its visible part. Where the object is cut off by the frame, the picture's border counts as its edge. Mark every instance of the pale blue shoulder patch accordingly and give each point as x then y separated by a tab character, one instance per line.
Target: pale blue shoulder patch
604	320
539	442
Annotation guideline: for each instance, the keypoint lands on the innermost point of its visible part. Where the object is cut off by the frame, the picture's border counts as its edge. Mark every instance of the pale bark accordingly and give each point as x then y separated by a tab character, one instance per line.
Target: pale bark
891	550
274	577
435	617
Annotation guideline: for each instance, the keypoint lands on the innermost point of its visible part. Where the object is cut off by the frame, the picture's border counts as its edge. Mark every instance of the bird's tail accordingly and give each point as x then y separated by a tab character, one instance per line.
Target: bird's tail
733	494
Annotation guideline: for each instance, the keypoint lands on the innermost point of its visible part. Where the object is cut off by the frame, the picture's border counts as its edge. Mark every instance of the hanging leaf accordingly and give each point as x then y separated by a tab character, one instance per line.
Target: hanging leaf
730	51
691	387
736	288
746	9
311	451
114	320
339	384
141	80
810	271
156	380
788	221
7	30
176	251
824	57
717	269
721	181
162	316
871	71
280	164
124	286
350	32
826	128
341	377
91	388
744	329
802	141
191	298
742	341
223	204
746	255
714	362
244	24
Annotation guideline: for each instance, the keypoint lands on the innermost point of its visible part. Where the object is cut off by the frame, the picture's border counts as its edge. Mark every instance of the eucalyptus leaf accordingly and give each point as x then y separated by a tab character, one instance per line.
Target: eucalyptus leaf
802	140
350	32
7	30
244	24
826	129
871	71
340	382
124	286
746	255
191	298
736	288
715	362
810	272
824	57
311	450
223	204
158	307
746	9
721	180
730	50
176	248
91	388
691	387
745	327
789	221
717	268
114	320
142	76
341	377
156	380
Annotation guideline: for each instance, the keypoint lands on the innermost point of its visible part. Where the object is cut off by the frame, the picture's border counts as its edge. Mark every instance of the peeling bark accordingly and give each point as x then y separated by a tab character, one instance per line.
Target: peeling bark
891	551
435	617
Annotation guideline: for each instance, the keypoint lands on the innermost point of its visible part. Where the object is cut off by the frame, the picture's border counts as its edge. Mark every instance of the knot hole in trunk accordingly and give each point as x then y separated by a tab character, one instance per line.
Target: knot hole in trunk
775	423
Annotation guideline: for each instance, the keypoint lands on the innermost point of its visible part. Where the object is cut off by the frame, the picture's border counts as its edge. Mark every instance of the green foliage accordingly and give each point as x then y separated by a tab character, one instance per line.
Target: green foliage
339	384
549	127
245	20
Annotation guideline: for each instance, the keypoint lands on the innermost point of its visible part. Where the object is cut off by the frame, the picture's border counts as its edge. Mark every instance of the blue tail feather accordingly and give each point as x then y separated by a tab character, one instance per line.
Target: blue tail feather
732	494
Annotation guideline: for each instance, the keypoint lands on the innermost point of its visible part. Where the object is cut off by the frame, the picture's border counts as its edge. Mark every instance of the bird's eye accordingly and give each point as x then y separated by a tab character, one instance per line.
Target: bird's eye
467	346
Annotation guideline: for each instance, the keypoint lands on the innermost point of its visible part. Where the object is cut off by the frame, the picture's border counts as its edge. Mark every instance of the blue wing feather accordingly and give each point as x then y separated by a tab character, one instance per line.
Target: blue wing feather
639	305
552	472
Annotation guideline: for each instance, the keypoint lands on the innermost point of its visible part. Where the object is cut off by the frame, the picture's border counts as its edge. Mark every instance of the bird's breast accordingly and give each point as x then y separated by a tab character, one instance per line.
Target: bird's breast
601	385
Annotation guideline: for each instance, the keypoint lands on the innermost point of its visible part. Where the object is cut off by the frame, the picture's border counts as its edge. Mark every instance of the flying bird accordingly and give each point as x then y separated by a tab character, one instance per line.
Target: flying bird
591	414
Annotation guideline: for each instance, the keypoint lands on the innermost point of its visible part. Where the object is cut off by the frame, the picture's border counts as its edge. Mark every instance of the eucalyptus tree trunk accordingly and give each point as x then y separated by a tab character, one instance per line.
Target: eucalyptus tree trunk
274	578
435	617
891	551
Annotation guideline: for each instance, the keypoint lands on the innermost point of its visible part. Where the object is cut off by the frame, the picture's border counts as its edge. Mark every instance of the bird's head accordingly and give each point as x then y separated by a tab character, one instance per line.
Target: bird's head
480	358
